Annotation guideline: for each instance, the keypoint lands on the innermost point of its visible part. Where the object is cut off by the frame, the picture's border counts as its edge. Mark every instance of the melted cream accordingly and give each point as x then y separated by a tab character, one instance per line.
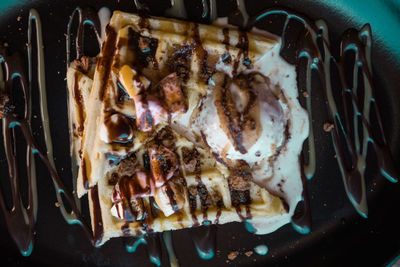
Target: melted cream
283	177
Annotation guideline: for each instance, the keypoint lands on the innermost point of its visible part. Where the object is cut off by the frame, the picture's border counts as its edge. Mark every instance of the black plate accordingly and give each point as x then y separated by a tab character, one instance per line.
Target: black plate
339	235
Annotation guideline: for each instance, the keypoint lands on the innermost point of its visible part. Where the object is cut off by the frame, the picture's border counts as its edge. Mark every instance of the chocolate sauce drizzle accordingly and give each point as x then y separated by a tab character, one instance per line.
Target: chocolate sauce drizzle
320	59
79	101
86	16
21	221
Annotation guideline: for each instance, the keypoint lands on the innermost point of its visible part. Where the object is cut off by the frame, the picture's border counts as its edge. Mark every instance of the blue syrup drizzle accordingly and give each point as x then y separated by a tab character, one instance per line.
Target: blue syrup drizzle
261	250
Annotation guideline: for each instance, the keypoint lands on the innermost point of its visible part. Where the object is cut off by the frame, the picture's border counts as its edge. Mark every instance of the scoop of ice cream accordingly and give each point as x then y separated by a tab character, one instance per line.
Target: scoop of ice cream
241	119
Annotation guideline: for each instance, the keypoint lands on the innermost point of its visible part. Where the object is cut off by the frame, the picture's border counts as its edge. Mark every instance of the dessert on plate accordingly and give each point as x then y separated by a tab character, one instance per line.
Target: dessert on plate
177	124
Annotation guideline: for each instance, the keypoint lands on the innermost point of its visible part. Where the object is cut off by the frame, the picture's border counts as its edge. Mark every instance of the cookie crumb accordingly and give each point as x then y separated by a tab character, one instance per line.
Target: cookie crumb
19	18
328	126
305	94
233	255
248	253
57	204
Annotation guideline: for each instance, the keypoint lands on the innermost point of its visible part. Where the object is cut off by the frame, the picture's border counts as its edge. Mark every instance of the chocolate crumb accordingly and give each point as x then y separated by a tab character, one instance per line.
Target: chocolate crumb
179	61
328	127
166	138
84	64
248	253
239	182
113	179
4	104
190	158
128	166
205	198
233	255
172	94
193	190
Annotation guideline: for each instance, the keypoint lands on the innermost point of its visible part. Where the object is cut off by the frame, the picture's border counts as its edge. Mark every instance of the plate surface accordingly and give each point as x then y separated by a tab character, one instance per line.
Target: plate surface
339	235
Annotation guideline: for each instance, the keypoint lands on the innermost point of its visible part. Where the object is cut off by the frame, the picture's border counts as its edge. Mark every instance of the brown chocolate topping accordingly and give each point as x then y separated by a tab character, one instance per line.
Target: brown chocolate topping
226	57
113	180
126	231
226	41
229	116
164	163
206	70
220	205
146	161
128	166
146	55
172	94
239	187
190	158
85	15
172	197
154	208
20	220
243	44
86	168
122	94
179	61
205	198
192	193
144	22
166	138
119	128
98	230
107	55
79	103
130	188
385	160
85	64
239	181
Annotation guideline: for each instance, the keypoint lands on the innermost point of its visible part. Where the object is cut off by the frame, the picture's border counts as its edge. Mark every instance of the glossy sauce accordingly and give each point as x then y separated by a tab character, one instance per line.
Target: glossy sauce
353	177
79	103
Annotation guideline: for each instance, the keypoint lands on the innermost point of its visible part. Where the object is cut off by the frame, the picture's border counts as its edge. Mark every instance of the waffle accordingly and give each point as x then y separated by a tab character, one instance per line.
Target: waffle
156	174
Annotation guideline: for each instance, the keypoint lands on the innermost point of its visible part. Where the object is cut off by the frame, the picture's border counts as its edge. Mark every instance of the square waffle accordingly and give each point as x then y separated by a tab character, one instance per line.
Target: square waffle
132	117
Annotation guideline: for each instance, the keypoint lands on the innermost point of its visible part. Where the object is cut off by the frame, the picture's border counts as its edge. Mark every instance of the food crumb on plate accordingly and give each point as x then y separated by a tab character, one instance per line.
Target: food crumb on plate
328	127
232	255
248	253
